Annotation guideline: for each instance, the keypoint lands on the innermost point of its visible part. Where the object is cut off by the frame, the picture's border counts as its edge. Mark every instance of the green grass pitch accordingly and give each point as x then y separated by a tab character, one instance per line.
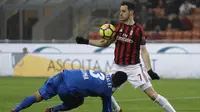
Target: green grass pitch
184	95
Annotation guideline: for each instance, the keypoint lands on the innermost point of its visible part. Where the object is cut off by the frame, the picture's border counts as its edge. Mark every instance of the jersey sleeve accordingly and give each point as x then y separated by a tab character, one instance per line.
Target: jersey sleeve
107	107
142	36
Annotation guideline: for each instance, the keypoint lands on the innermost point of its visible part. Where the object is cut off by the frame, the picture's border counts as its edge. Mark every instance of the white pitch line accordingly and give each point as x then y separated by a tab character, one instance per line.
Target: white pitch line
122	100
145	99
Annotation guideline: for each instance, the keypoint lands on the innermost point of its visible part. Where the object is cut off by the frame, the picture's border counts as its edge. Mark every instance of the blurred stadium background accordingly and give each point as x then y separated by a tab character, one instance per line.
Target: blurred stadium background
37	39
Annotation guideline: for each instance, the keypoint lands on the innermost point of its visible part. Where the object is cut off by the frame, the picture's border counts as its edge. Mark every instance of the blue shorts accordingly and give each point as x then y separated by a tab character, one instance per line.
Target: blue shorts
56	86
50	87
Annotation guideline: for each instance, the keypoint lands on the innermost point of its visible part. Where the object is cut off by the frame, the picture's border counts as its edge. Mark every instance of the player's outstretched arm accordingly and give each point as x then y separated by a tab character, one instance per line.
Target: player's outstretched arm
145	57
107	106
147	62
100	43
97	43
27	102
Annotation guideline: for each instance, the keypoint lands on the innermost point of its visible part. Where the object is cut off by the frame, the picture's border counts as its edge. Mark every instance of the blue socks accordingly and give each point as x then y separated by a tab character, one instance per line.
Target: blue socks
28	101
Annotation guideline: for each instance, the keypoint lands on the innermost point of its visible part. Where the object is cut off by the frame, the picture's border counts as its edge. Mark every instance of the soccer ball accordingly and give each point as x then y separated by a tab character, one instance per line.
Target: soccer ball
106	31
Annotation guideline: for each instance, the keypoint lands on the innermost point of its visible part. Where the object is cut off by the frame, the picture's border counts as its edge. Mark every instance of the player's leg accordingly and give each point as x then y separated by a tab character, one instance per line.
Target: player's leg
139	78
148	89
70	102
47	91
115	105
163	102
28	101
143	82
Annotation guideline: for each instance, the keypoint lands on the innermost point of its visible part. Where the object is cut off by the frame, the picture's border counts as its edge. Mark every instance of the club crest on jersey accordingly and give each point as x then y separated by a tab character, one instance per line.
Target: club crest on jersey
131	32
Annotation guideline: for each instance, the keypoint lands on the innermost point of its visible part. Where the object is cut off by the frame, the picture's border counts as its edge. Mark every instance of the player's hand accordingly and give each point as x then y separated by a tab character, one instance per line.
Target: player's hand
81	40
153	75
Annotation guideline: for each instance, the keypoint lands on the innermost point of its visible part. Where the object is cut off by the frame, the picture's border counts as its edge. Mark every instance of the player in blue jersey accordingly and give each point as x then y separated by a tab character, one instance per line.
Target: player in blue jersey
72	86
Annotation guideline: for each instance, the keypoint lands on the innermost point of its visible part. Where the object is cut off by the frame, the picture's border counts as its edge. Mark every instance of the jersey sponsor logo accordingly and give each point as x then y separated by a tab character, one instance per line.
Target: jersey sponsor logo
121	38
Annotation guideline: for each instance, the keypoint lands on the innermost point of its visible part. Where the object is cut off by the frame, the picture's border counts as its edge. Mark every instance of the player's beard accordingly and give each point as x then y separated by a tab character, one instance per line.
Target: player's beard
124	19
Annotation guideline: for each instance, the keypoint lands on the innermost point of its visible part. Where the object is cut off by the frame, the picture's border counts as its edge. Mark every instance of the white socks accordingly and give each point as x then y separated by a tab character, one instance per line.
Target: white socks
164	104
114	104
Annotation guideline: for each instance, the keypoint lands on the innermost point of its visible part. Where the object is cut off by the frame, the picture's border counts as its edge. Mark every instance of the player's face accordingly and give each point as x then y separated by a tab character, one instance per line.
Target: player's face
124	13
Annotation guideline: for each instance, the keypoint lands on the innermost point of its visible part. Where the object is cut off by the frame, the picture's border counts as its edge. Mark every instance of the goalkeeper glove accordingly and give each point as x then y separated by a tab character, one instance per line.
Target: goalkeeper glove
81	40
153	75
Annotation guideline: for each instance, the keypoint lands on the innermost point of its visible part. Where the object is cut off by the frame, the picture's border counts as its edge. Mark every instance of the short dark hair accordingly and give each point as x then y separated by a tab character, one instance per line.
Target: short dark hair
119	78
130	5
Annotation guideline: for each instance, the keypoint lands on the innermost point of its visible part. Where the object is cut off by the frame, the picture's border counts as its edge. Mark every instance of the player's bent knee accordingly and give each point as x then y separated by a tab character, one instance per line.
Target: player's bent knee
38	96
153	96
145	86
73	102
151	93
73	105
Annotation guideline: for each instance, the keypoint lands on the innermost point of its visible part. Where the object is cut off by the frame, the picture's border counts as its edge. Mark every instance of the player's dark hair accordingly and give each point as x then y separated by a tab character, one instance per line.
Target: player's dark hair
130	5
118	78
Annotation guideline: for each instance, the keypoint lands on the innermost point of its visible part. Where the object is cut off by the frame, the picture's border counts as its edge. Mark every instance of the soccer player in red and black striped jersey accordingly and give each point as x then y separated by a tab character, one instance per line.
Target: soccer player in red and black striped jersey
129	40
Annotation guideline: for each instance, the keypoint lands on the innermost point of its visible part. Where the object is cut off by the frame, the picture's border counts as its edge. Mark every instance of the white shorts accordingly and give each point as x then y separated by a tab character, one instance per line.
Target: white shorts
136	75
